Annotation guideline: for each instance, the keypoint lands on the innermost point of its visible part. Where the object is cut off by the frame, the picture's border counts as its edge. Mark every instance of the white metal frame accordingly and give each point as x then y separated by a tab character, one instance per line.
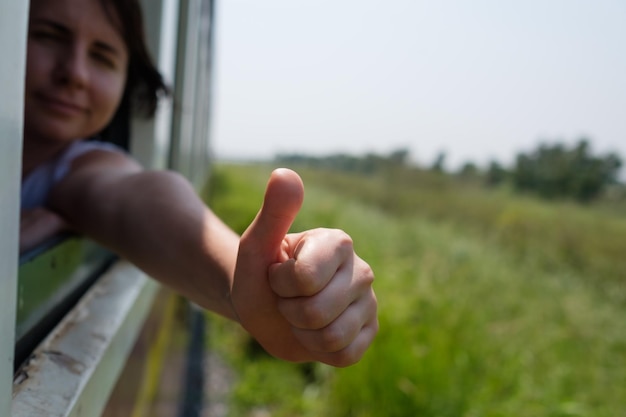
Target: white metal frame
192	96
72	372
13	23
150	142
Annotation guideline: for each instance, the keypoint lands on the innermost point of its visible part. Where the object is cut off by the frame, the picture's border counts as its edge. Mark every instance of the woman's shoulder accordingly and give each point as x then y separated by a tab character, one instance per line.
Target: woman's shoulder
76	151
81	147
37	185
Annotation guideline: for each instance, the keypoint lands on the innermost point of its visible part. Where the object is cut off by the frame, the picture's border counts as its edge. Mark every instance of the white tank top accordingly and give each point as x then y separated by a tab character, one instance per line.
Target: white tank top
37	185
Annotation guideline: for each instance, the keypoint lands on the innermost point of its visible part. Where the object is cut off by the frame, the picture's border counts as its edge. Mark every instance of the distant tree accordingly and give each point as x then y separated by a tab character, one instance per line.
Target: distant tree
368	164
371	163
399	157
556	171
439	163
496	174
469	170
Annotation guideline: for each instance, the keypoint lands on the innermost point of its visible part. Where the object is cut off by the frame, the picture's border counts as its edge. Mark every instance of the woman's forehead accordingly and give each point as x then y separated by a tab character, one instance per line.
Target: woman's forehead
82	17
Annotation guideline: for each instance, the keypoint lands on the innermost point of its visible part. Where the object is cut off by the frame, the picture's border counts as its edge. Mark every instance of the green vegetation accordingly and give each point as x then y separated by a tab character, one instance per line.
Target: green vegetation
491	304
552	171
556	171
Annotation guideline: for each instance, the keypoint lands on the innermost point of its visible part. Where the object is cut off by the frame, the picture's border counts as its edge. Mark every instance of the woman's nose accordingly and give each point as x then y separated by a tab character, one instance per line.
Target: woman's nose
72	68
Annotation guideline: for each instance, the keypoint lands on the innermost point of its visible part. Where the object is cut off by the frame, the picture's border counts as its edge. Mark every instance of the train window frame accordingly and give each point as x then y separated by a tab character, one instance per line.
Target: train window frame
71	263
179	34
13	23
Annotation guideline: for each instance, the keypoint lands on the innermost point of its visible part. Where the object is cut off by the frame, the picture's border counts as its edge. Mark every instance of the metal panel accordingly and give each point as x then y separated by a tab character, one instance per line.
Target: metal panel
13	24
73	371
200	156
185	88
193	92
151	138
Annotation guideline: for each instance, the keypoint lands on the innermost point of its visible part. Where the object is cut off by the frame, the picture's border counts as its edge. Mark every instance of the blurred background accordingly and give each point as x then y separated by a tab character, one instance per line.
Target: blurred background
478	81
473	151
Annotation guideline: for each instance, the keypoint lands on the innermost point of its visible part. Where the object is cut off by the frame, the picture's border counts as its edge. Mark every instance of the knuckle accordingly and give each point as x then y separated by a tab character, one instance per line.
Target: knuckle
340	237
365	272
355	351
332	339
307	281
368	276
344	240
345	358
313	315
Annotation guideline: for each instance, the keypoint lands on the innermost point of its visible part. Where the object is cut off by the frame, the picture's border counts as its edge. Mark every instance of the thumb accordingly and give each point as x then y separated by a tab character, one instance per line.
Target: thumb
283	198
254	302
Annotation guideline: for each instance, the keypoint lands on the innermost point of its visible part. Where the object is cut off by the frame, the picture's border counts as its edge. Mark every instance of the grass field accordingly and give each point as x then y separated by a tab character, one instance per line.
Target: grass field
491	304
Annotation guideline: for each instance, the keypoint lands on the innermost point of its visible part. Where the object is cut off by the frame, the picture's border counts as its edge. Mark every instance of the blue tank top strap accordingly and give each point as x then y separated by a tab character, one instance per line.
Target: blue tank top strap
37	185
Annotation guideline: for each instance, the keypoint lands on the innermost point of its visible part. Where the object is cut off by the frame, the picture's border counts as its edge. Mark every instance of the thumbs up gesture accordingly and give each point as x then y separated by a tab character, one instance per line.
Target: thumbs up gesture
303	296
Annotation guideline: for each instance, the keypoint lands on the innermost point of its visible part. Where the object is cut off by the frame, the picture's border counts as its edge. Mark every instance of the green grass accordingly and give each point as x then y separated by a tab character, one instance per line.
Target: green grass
491	304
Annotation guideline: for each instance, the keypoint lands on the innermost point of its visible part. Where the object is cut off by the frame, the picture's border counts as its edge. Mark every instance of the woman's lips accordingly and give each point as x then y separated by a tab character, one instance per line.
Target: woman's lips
60	106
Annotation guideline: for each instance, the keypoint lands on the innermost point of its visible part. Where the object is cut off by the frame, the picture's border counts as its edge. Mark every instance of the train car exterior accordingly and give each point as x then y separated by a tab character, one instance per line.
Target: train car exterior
72	311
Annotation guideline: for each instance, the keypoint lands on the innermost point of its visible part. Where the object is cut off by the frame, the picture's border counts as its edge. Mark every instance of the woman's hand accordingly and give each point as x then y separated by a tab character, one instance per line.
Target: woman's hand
304	296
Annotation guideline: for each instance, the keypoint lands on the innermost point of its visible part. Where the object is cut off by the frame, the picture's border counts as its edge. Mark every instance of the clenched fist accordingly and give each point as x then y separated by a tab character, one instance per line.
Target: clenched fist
304	296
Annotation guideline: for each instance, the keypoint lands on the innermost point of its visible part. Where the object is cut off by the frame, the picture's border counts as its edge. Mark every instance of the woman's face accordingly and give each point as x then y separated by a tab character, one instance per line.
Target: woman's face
75	73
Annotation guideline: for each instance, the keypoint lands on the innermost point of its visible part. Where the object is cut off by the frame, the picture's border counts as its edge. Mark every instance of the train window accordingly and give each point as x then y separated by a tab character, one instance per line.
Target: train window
68	263
55	273
65	277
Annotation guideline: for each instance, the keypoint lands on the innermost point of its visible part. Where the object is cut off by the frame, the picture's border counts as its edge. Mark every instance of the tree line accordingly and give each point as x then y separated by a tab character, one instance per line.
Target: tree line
549	171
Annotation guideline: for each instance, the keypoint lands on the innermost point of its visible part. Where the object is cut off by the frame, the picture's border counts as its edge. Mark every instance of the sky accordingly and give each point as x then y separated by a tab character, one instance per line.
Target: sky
480	80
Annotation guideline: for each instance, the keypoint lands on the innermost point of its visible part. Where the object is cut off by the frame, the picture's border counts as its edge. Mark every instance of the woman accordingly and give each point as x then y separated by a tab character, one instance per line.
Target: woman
303	296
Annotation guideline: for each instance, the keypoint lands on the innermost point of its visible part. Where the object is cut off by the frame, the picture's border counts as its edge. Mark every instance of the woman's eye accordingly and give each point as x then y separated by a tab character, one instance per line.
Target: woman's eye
104	60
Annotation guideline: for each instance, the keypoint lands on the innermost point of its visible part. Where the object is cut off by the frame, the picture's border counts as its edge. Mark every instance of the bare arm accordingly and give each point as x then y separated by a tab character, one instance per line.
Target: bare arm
304	296
155	220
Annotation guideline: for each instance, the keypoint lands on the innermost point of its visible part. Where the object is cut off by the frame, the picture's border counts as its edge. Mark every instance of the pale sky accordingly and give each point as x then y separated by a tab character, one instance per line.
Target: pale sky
476	79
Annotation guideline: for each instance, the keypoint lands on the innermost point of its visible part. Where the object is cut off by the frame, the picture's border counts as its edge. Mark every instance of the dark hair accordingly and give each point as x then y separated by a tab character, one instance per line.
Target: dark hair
144	83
